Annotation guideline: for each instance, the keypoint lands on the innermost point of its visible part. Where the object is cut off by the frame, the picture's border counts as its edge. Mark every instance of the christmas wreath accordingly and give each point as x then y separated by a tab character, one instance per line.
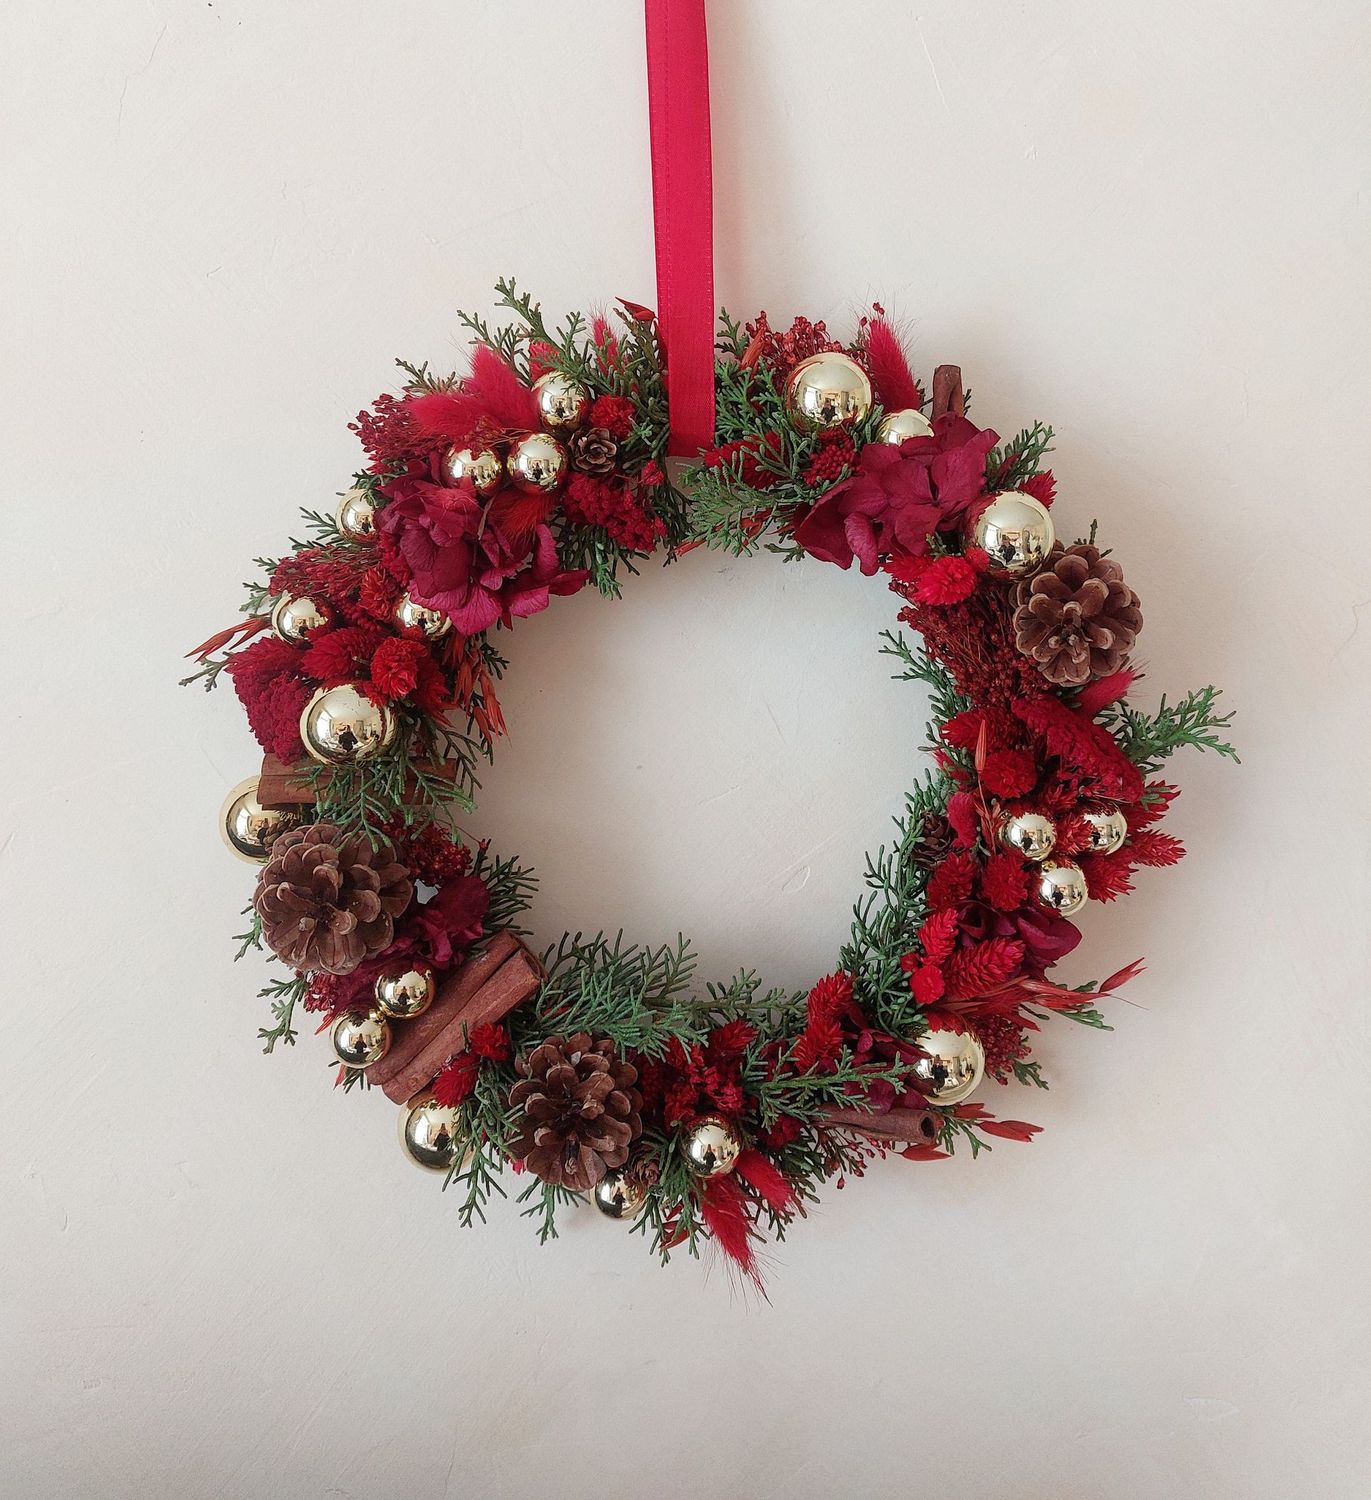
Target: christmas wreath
368	667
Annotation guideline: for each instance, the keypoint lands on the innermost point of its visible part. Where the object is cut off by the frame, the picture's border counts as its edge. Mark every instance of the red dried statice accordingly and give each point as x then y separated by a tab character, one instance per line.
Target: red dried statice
1004	1041
834	453
387	432
429	850
783	351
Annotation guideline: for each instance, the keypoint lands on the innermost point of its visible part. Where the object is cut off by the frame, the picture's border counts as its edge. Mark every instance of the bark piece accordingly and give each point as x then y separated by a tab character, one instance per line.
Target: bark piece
288	786
947	391
917	1126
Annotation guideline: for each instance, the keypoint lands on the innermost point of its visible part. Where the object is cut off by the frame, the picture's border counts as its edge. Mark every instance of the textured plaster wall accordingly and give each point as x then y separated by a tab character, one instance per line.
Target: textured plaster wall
1145	224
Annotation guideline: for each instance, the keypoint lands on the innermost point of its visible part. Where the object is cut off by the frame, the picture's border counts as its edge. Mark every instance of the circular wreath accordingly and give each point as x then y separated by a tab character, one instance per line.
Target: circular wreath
368	667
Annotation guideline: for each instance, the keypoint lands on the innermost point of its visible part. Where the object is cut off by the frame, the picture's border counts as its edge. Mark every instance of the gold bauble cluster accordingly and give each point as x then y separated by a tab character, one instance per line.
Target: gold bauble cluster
341	724
952	1064
826	391
402	991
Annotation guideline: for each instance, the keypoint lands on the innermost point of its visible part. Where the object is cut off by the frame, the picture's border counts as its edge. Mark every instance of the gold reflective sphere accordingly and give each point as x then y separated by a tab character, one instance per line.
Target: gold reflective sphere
293	619
1061	887
405	990
1016	533
249	829
418	619
341	724
827	390
360	1039
908	422
356	516
619	1197
481	468
1031	834
536	463
711	1146
429	1135
1108	829
562	404
953	1063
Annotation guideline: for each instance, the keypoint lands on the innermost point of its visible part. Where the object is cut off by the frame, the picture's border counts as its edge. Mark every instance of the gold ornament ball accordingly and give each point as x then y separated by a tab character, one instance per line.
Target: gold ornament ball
536	463
418	619
619	1197
360	1038
293	619
562	404
479	467
908	422
712	1146
827	390
1061	887
953	1063
341	724
1030	834
356	516
405	990
429	1135
250	829
1108	829
1016	533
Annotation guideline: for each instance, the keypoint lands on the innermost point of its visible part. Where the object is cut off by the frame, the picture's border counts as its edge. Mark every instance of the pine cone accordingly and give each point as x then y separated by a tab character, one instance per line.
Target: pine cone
934	843
328	901
1077	619
594	452
581	1111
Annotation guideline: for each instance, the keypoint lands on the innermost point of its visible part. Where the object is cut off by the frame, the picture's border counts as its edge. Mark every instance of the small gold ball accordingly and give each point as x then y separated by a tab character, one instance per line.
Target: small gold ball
418	619
356	516
342	724
619	1197
953	1063
1108	829
360	1039
536	463
1016	533
293	619
1062	888
908	422
1030	834
481	468
249	829
429	1133
827	390
562	404
405	990
711	1146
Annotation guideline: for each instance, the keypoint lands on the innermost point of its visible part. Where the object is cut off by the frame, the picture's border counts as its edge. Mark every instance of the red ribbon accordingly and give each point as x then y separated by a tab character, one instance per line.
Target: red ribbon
683	214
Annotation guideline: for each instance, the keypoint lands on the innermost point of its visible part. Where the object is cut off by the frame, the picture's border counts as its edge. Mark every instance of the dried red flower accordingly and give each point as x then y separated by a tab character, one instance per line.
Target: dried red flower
616	414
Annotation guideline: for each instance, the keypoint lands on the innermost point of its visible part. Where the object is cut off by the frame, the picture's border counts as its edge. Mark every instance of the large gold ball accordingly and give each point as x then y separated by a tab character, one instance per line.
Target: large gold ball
562	404
619	1197
418	619
1030	834
1016	533
952	1063
908	422
1108	830
430	1135
405	990
1062	888
342	724
360	1038
480	467
249	829
711	1146
536	463
356	516
293	619
827	390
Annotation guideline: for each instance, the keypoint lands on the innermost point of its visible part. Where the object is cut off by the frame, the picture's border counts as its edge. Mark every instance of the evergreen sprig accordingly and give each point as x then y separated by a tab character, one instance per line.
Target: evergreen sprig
1149	739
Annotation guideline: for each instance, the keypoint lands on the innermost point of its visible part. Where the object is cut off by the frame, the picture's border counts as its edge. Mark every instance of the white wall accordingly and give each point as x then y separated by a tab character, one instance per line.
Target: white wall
1147	224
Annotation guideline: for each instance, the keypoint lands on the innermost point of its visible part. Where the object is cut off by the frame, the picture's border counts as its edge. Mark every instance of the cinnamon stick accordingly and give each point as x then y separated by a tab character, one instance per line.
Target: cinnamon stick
516	980
947	391
918	1126
413	1036
285	786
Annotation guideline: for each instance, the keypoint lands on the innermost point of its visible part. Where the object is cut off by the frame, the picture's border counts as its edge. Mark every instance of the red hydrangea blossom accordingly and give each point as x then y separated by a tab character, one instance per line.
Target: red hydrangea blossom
899	496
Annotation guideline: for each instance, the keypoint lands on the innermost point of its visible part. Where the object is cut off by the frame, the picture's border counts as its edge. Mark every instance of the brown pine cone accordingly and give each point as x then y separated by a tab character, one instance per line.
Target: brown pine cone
1077	619
934	842
594	452
580	1110
328	901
